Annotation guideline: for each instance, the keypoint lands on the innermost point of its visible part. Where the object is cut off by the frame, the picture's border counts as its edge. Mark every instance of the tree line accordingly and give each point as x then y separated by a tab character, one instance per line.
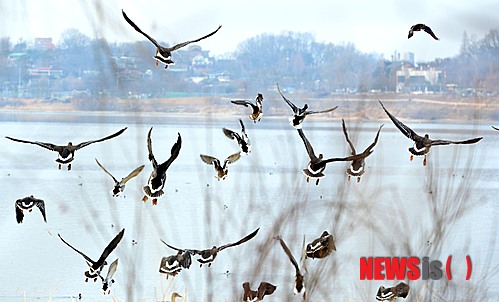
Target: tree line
294	59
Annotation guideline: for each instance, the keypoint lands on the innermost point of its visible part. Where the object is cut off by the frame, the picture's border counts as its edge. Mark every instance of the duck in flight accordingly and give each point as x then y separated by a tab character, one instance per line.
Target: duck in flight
299	288
221	169
422	144
208	256
66	153
157	180
257	107
391	293
27	204
299	114
321	247
264	289
119	186
419	27
357	167
95	267
317	164
242	139
164	54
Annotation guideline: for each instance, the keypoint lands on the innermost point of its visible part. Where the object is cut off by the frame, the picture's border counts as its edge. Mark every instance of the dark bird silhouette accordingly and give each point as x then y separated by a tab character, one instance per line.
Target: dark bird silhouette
172	265
264	289
317	164
357	167
119	186
321	247
108	281
207	256
95	267
221	169
495	128
419	27
391	293
164	54
27	204
257	107
66	153
157	179
299	288
242	139
299	114
422	144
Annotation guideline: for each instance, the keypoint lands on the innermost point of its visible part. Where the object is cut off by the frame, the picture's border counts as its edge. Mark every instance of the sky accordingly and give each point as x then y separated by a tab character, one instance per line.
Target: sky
372	26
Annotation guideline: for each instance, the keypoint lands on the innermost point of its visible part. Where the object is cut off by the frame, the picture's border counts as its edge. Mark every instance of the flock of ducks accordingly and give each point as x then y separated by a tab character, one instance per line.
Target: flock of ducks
172	265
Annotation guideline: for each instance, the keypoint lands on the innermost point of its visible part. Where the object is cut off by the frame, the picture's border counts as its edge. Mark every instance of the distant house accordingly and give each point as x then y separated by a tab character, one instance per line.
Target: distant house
49	72
43	43
418	80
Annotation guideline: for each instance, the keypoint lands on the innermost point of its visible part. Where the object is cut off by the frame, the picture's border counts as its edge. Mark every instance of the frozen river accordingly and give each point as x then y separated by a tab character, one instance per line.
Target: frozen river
399	208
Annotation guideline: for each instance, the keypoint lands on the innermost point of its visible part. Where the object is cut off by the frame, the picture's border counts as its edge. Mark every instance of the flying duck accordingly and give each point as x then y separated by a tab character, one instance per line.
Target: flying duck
164	54
419	27
222	170
299	288
422	144
257	108
357	167
157	179
317	164
66	153
299	114
208	256
27	204
106	282
264	289
321	247
95	267
119	186
242	139
392	293
171	265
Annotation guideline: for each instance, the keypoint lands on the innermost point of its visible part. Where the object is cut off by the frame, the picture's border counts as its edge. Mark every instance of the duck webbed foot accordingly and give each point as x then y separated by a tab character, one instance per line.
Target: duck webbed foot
69	167
59	166
154	201
424	161
348	177
358	179
144	199
317	182
308	179
412	157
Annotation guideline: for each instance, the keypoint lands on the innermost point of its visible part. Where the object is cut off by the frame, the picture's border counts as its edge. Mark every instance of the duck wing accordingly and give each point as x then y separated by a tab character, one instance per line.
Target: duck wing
109	249
290	256
181	250
84	256
264	289
41	206
371	146
346	137
49	146
290	104
233	158
440	142
428	30
495	128
84	144
139	30
107	172
173	153
242	240
210	160
231	134
132	174
408	132
308	146
149	149
322	111
246	103
180	45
